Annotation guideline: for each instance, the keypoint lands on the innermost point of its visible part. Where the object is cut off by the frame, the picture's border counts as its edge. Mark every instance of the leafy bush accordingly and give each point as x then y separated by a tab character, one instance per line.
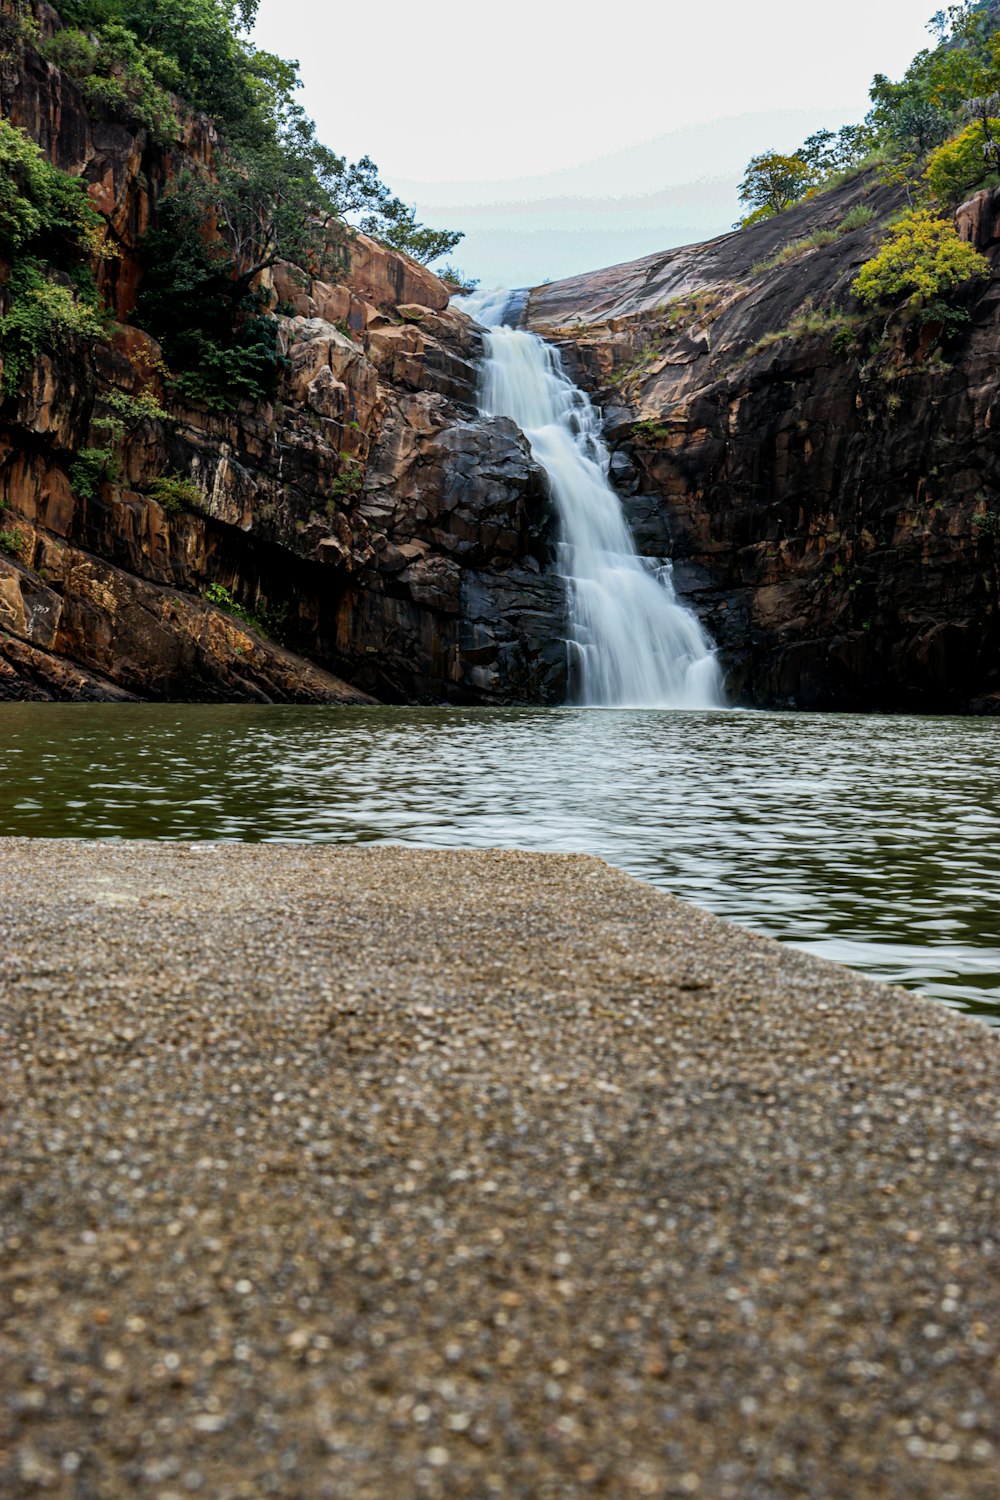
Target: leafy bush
221	345
47	227
922	257
42	210
964	163
176	492
12	543
350	479
220	596
42	313
246	369
125	413
91	468
120	73
149	49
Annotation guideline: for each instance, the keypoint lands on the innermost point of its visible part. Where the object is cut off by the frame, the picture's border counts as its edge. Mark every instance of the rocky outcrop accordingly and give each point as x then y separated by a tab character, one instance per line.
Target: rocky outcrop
829	487
369	518
78	628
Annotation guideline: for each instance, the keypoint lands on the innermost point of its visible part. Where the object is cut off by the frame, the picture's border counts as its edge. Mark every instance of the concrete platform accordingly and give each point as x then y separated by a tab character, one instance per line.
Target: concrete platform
370	1174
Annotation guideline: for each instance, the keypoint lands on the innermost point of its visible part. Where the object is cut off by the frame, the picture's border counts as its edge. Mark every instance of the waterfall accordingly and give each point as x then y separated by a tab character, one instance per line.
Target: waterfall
632	643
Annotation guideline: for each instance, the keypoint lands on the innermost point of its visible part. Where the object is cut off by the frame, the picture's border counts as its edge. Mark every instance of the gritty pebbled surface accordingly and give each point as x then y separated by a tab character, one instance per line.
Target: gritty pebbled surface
379	1173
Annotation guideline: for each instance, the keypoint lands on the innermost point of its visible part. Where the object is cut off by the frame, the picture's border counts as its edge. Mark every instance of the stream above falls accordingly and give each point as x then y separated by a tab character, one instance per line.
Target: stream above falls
871	840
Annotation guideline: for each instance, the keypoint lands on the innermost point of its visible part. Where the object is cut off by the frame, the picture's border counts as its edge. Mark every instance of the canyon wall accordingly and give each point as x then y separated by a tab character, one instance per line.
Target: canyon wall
393	541
828	485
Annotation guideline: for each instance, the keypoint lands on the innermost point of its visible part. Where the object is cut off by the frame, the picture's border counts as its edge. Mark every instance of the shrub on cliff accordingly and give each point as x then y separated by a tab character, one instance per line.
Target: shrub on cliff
120	74
42	314
922	258
48	229
91	468
43	211
193	48
215	335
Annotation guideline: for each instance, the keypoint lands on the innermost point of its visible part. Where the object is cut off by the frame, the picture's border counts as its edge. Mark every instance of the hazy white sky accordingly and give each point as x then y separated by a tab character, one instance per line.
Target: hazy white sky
561	138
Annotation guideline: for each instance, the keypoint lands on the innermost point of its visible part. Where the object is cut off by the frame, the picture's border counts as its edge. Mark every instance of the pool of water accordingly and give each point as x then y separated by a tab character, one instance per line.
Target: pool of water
873	841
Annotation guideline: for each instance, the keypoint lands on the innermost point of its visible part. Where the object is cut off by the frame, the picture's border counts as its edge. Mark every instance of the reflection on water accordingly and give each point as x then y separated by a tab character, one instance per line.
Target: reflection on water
874	841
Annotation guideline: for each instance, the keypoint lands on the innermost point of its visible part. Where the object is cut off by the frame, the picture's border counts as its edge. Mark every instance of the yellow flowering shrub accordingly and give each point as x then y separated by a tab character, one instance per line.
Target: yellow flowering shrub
922	257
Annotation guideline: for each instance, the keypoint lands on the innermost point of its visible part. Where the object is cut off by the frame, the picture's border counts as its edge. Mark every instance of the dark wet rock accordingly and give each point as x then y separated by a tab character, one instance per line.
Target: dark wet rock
843	502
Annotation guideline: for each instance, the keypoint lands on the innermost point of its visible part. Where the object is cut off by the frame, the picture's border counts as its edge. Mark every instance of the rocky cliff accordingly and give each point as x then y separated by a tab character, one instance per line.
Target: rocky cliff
392	542
828	486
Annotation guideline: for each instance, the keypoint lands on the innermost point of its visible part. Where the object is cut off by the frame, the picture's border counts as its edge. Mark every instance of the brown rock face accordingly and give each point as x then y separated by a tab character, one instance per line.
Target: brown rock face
387	278
369	518
829	488
90	632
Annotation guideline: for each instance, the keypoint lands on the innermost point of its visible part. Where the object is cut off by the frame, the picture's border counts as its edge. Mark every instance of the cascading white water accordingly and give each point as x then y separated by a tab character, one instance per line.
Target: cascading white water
634	644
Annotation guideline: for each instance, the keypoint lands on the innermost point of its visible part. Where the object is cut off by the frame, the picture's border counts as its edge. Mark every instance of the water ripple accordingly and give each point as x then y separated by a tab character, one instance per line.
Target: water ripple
874	841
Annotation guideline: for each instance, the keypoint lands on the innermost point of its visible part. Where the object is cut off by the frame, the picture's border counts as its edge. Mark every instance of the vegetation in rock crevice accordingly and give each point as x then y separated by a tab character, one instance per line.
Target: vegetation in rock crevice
49	234
268	620
177	492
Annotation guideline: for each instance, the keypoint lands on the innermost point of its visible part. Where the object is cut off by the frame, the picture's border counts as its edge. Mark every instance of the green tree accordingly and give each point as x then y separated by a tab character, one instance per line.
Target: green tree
965	162
396	224
773	182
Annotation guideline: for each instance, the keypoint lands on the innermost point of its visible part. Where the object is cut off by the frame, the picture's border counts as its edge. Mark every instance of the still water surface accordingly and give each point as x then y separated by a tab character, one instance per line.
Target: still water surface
874	841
